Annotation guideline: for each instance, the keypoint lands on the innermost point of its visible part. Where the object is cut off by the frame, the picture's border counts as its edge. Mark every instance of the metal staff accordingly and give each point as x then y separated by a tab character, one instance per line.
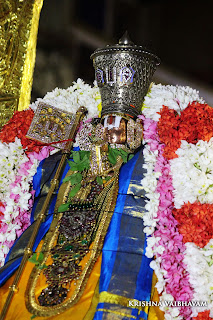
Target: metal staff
54	184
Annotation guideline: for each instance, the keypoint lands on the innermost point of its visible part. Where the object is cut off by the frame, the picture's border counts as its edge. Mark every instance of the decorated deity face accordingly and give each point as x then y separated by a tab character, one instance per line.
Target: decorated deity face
115	129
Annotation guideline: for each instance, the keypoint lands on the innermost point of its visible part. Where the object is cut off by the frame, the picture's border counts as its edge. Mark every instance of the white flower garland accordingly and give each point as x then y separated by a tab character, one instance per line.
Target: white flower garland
192	173
174	97
70	99
14	191
149	184
199	264
11	158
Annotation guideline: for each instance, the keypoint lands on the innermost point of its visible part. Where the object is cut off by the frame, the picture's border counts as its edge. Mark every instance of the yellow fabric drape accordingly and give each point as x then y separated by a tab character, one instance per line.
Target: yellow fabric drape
18	311
83	310
154	312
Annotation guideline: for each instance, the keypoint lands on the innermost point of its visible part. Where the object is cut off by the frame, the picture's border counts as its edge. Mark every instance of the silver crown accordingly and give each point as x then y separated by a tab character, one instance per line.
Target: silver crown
123	73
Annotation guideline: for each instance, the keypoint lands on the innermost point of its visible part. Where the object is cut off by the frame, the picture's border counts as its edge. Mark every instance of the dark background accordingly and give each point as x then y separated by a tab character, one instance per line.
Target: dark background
179	32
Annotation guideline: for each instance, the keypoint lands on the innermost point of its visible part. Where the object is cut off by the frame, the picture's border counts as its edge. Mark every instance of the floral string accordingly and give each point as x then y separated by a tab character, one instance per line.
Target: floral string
165	243
16	195
178	137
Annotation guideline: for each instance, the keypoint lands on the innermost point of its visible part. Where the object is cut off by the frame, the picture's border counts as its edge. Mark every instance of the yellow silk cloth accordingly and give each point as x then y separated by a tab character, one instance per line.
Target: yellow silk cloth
83	310
18	311
154	312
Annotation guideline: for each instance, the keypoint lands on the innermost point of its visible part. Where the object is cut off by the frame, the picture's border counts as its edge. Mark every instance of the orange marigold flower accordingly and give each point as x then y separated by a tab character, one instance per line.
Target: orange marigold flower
18	127
195	123
195	222
203	316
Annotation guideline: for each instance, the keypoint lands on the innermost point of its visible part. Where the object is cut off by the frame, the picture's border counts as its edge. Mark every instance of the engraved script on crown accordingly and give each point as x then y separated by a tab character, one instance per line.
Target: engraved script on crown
111	75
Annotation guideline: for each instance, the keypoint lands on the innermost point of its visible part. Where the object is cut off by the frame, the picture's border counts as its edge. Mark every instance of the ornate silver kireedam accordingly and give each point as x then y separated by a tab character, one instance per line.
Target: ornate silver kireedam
123	73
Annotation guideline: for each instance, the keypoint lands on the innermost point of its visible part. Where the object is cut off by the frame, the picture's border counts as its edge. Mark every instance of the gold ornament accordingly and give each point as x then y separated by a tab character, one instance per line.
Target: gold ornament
18	35
51	124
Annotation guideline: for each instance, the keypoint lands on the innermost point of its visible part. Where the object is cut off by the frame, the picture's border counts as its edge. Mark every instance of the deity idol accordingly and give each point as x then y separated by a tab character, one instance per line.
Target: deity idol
86	236
91	263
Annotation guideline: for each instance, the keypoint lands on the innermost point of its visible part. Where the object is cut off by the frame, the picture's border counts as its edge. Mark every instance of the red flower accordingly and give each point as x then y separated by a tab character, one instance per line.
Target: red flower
195	222
18	127
1	212
203	316
195	123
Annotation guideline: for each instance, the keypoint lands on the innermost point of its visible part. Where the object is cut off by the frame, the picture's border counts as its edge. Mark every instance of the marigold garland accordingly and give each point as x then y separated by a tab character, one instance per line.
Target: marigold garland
203	316
18	126
195	123
195	222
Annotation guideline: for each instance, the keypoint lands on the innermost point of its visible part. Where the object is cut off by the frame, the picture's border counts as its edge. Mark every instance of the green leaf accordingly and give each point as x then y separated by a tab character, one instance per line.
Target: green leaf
81	161
124	155
210	263
112	156
108	178
79	155
33	258
122	152
76	156
68	178
36	261
33	317
99	180
84	164
85	159
84	154
75	190
40	257
130	156
75	178
114	153
73	165
63	207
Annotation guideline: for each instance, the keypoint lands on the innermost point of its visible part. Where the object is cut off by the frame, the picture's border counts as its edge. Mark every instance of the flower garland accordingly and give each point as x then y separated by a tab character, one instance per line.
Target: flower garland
175	97
16	196
193	173
173	128
193	166
20	157
166	242
194	224
199	266
70	99
17	127
184	146
178	134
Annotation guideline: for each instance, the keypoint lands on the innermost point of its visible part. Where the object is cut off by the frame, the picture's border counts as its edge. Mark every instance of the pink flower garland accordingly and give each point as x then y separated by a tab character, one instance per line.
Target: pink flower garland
21	221
171	260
